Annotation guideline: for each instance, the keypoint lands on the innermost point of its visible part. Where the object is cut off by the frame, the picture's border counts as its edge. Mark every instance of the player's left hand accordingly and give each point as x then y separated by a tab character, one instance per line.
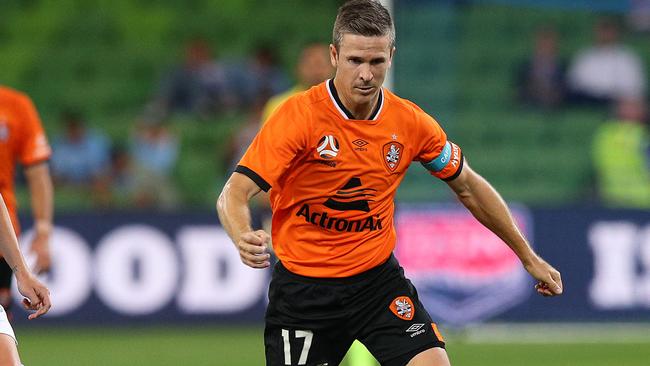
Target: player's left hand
41	249
549	279
37	296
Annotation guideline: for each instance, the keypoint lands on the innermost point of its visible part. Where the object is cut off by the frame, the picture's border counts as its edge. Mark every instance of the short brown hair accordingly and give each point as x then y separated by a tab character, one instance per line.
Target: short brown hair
363	17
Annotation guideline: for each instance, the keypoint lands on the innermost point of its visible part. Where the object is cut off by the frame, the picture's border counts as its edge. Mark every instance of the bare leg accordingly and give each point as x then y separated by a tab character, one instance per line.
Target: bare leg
8	351
432	357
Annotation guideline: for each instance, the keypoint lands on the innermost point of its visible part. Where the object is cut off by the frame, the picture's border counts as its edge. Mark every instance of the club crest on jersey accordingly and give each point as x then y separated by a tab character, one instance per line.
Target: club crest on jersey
402	307
328	147
392	154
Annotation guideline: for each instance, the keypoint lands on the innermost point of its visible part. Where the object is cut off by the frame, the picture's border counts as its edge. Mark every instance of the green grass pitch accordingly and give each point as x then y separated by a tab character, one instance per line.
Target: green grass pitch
242	346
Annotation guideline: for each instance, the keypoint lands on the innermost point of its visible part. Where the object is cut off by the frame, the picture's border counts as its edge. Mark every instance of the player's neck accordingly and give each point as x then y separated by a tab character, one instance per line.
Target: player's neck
359	111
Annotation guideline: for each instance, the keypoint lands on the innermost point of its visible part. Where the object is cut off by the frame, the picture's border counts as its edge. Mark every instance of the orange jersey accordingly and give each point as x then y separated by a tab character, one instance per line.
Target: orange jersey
22	140
333	179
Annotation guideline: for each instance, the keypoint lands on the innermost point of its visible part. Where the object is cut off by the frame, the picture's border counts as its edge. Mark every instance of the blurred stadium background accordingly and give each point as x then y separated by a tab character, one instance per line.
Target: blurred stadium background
142	282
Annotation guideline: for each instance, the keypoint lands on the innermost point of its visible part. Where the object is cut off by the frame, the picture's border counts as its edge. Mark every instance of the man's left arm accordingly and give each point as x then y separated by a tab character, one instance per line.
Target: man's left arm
41	196
485	203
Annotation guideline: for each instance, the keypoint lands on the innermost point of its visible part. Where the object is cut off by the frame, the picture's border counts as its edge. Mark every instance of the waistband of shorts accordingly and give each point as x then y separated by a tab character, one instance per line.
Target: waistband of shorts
391	262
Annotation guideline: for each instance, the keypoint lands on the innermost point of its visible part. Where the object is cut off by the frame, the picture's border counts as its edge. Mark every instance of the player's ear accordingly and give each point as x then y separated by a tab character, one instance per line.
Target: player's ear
333	55
390	58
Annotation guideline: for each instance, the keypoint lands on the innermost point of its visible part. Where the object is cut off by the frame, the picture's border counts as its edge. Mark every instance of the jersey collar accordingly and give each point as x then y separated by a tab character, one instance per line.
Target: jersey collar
334	95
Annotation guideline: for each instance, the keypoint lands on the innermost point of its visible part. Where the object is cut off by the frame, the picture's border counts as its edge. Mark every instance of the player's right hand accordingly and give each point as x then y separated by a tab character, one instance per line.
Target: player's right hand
37	296
253	249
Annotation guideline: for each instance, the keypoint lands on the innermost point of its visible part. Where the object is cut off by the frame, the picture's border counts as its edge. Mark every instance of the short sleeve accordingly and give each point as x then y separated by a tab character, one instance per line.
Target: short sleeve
280	140
34	147
441	157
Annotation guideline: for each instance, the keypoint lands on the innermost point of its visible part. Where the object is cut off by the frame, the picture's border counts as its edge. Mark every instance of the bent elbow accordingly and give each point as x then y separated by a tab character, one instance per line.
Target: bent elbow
221	200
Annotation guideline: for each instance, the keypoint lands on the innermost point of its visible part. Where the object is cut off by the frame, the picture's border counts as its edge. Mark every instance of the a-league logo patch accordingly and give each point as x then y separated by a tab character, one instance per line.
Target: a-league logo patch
402	307
328	147
392	154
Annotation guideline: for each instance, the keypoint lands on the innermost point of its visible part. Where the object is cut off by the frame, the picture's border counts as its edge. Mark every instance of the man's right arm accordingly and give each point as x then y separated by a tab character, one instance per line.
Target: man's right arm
234	214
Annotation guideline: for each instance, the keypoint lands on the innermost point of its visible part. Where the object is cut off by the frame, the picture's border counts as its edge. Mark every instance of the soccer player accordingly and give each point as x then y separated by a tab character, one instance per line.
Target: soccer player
332	159
313	68
23	141
37	296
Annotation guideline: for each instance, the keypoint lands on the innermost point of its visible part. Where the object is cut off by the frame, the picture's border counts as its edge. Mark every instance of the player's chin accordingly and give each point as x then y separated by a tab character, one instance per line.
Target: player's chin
363	99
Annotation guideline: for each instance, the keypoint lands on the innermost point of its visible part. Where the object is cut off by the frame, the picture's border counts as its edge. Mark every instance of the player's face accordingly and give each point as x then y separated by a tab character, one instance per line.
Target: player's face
361	63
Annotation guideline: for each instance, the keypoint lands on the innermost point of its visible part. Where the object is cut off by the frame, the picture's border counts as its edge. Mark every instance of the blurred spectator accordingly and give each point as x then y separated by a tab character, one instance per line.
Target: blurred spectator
313	68
154	150
199	85
80	155
121	170
116	189
264	76
540	78
608	70
620	156
242	139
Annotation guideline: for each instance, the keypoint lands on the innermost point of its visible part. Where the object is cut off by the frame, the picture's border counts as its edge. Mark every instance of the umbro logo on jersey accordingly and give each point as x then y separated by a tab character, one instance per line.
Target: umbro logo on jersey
360	145
328	147
351	197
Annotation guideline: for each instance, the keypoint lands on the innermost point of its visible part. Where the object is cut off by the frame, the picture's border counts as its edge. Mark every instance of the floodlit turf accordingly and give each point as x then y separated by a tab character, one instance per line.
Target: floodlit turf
142	346
550	354
233	346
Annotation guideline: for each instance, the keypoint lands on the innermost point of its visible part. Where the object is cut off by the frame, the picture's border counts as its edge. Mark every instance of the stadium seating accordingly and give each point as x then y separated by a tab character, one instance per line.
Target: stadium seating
456	61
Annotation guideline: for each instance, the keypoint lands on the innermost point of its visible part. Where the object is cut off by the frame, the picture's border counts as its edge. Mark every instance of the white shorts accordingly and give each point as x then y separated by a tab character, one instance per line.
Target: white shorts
5	327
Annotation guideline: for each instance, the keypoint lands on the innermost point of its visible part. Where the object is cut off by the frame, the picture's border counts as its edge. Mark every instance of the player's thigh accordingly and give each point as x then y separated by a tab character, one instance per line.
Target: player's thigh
397	327
431	357
305	322
303	346
300	331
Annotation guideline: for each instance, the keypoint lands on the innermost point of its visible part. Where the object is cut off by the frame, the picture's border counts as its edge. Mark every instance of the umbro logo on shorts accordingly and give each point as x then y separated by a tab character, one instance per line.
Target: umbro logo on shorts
402	307
415	327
